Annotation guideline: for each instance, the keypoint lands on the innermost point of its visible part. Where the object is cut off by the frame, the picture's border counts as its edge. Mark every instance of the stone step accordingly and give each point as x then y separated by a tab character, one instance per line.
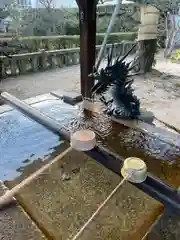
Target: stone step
16	225
62	199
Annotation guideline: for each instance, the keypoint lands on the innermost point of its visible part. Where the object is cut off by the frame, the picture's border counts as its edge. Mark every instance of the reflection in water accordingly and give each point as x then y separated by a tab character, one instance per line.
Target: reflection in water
23	139
152	146
22	142
100	125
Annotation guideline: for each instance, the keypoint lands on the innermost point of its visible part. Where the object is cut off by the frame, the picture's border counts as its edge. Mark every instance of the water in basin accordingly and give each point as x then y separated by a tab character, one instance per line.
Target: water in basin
23	142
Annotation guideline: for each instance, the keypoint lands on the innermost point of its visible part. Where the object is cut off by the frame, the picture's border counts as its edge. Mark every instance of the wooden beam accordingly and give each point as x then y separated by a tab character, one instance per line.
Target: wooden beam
87	19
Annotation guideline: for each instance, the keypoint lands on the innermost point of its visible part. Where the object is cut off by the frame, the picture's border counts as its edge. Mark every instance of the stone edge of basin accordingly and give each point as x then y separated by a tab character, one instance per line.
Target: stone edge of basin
73	98
32	100
145	127
167	221
68	97
166	226
16	224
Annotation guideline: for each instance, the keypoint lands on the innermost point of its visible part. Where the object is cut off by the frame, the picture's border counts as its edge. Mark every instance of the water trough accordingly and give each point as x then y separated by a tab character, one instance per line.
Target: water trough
154	187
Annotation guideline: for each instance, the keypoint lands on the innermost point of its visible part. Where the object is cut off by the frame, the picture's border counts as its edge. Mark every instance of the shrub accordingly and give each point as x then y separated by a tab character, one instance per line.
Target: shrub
176	58
35	43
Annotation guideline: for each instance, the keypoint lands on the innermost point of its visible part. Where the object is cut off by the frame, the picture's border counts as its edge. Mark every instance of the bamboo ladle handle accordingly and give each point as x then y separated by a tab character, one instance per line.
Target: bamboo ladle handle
7	198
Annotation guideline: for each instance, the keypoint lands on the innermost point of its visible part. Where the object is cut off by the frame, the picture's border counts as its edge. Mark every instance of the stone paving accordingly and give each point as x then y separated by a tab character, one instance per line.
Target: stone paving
66	78
31	85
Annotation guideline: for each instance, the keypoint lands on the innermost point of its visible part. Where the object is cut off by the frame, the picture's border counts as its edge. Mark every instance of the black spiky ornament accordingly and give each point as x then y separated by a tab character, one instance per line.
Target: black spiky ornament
115	80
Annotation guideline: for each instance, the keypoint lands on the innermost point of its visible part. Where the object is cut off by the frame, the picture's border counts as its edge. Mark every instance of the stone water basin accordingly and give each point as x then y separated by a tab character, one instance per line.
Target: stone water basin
66	195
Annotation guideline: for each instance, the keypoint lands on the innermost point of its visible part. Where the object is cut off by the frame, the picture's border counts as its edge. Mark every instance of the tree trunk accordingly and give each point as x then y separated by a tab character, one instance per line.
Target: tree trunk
145	55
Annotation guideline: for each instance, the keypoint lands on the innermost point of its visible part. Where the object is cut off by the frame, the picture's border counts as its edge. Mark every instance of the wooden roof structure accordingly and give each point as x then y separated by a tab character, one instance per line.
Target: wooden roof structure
87	20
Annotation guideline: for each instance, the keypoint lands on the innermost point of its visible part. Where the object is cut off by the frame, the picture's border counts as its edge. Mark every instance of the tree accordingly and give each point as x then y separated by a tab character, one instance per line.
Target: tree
15	16
71	22
19	17
48	4
45	16
48	19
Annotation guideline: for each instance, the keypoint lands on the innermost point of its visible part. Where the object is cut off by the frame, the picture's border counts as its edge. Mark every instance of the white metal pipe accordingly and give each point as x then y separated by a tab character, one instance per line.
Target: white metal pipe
111	24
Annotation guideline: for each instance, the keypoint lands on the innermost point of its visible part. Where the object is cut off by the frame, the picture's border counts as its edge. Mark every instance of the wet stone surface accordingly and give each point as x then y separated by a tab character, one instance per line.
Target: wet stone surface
62	206
24	141
167	228
16	225
65	196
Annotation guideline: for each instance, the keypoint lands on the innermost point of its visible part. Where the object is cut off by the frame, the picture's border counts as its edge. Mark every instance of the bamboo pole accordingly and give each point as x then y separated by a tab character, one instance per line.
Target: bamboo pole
7	198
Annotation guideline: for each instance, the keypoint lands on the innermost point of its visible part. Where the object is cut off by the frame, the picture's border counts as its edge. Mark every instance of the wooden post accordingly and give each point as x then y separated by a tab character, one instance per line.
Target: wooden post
87	19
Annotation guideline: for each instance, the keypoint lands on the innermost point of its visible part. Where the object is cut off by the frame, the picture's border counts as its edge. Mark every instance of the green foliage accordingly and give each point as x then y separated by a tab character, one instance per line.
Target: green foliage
102	24
45	21
69	41
16	16
42	22
176	58
116	37
51	21
178	54
71	22
178	84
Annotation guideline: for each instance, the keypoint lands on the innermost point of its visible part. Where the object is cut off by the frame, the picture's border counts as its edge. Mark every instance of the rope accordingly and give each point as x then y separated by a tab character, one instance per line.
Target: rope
8	196
102	205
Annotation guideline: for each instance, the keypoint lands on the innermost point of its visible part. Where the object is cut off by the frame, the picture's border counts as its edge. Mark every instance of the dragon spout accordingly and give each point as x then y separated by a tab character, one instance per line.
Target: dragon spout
114	81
